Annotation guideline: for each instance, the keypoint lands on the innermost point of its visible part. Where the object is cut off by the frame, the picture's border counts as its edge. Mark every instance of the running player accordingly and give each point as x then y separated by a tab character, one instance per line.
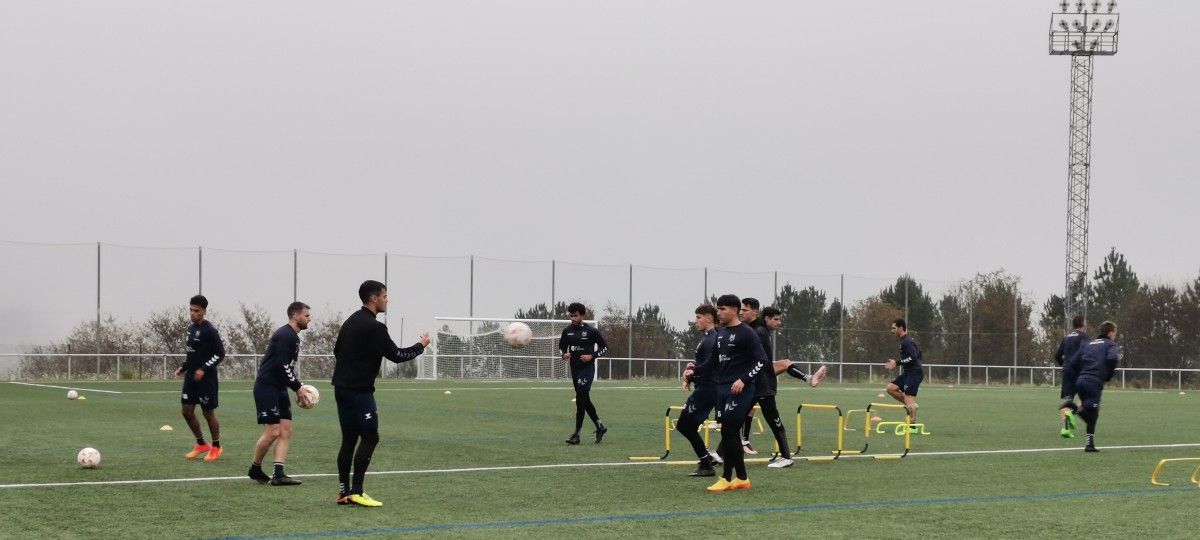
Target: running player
1097	364
199	372
741	358
277	373
581	344
360	344
1067	356
748	313
701	373
904	387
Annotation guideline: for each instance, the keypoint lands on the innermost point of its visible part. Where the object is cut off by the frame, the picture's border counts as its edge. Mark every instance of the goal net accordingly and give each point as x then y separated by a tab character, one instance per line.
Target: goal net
474	348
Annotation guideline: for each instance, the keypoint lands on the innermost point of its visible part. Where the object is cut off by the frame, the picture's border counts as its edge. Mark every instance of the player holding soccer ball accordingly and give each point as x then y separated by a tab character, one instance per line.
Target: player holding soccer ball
277	373
199	372
582	344
360	344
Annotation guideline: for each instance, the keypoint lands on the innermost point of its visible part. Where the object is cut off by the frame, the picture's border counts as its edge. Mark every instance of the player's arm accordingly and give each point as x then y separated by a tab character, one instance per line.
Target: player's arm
599	346
908	351
758	359
279	361
562	345
218	348
388	349
1058	355
1110	361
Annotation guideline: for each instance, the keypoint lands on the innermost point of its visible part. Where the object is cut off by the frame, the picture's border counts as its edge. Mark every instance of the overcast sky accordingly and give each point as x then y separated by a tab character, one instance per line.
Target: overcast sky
812	137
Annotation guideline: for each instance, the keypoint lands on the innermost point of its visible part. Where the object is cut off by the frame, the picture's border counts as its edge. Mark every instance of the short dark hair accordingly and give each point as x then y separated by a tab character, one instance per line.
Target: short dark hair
901	324
707	309
370	288
752	303
729	300
296	307
576	307
199	300
1077	322
770	311
1106	327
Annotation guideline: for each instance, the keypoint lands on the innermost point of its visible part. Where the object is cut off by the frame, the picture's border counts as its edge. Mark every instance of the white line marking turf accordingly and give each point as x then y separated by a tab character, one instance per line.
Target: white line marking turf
570	466
67	387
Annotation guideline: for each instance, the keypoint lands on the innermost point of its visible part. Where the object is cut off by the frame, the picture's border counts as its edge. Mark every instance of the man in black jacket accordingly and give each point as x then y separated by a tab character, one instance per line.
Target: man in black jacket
360	344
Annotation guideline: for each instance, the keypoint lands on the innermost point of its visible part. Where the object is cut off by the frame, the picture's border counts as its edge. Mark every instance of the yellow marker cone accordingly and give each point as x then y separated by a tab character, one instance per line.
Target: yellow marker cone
81	398
166	428
447	392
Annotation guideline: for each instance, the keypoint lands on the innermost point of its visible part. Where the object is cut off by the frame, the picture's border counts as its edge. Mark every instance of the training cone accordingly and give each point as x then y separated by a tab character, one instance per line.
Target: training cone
166	428
447	392
880	395
1183	393
81	398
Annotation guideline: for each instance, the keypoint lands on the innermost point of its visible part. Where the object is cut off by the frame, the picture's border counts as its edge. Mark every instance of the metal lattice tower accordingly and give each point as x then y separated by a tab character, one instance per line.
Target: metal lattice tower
1081	34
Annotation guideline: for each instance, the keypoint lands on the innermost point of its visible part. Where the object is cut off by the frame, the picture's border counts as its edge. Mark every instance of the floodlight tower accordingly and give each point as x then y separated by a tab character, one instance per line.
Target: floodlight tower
1081	34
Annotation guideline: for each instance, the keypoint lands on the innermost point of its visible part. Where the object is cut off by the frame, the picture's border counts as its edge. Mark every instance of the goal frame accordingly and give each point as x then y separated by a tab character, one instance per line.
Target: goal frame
430	371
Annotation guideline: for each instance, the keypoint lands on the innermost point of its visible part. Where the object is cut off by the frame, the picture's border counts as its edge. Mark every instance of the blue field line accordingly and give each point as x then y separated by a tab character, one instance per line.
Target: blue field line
888	504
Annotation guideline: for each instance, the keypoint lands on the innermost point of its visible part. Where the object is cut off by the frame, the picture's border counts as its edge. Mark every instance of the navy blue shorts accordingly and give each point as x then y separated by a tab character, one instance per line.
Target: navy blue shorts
1089	392
583	376
699	404
356	409
203	393
1070	372
271	404
733	411
910	382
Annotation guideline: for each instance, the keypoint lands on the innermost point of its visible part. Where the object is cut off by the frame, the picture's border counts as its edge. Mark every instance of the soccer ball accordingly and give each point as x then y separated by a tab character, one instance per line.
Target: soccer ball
518	334
71	394
312	393
88	458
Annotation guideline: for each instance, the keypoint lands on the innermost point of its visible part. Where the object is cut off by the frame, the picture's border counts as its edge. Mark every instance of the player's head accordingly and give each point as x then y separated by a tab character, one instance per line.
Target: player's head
1108	329
575	312
1077	322
706	317
299	313
197	308
373	295
899	328
727	309
749	309
772	317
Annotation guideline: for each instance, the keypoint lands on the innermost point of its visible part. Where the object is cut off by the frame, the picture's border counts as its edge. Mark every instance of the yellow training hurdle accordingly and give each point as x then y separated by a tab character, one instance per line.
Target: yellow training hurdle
706	426
1194	479
838	450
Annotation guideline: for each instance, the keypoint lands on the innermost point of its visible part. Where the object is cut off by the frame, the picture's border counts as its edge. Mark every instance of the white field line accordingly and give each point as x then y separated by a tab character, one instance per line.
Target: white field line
67	387
574	465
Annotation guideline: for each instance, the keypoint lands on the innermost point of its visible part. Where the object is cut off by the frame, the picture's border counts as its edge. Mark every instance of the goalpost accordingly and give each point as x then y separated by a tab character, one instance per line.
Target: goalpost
474	348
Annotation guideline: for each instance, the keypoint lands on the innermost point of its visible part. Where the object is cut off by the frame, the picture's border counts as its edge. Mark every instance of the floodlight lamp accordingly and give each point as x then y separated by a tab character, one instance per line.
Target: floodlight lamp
1076	44
1095	43
1078	25
1112	4
1095	6
1095	25
1063	6
1079	6
1108	25
1064	26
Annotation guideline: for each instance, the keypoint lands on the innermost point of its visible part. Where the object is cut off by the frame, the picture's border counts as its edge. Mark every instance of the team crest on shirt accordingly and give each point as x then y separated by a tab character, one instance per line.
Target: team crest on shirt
584	334
731	337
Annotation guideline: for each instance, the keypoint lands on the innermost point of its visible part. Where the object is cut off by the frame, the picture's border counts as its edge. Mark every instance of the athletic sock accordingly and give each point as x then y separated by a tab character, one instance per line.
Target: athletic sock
256	465
1090	442
216	443
1066	423
795	372
278	470
343	488
200	441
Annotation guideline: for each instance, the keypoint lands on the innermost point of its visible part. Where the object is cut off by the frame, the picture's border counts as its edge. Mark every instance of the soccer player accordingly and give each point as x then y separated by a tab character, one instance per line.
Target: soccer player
581	344
748	314
767	387
1097	364
1067	356
277	373
199	372
701	373
741	357
904	387
361	343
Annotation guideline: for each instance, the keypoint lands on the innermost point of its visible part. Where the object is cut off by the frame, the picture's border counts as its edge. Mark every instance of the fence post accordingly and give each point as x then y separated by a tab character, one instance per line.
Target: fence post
841	326
164	367
1152	379
630	355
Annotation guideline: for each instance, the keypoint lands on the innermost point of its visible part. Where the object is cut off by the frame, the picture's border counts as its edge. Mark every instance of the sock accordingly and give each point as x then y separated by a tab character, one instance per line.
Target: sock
217	443
794	371
278	470
200	441
599	424
343	488
1090	441
256	465
1066	423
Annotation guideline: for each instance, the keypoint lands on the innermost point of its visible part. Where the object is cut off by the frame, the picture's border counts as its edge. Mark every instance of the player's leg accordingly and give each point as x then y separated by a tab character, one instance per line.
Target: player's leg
694	413
741	405
267	416
350	436
770	413
912	383
368	428
1068	409
731	439
214	429
283	442
1089	395
747	426
590	369
188	403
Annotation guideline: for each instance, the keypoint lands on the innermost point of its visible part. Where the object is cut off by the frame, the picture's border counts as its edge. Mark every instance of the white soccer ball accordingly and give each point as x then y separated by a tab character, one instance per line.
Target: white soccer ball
88	458
71	394
312	393
518	334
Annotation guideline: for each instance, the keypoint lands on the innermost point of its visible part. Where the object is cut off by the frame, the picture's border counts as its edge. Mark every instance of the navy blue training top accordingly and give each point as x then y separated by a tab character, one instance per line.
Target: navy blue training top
1070	347
1098	361
910	355
278	366
204	347
740	353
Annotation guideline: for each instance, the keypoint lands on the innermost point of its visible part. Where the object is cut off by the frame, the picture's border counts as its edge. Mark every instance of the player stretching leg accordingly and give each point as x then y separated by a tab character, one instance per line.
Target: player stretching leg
904	387
741	357
277	373
199	372
1067	356
704	397
582	344
360	344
